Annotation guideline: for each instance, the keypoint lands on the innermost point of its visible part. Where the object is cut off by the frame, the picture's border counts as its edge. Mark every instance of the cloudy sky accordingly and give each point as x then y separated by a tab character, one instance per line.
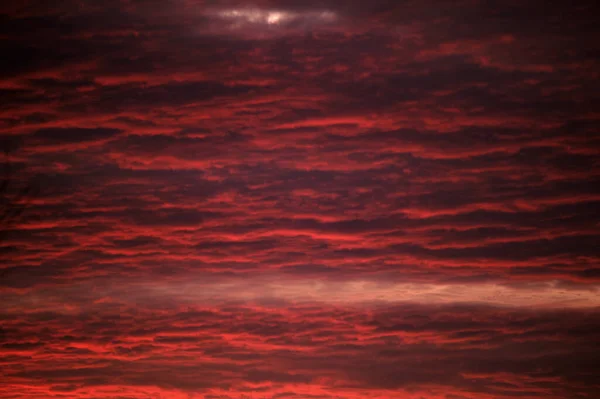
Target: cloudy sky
301	199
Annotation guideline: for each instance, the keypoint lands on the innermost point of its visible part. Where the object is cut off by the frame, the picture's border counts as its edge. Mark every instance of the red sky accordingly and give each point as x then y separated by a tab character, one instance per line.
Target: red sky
301	199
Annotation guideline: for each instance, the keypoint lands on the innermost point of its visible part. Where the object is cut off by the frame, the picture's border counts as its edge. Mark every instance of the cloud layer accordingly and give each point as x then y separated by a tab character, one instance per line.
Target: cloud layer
301	199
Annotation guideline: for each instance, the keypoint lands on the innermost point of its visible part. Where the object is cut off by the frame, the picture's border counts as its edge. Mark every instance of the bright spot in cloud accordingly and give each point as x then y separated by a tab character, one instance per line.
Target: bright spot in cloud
260	16
274	17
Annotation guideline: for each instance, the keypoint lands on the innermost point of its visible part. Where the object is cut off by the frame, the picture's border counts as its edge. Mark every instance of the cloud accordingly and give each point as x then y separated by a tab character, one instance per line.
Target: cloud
473	351
301	199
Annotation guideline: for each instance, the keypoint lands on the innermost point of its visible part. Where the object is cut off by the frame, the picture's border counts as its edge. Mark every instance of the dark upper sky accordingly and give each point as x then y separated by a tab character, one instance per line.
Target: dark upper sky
301	199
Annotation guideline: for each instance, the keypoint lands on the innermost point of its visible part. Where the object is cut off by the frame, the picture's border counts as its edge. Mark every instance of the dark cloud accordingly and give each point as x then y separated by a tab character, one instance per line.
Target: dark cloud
73	135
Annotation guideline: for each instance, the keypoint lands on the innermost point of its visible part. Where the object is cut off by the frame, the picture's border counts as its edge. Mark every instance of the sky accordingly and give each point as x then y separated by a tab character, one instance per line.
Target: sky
300	199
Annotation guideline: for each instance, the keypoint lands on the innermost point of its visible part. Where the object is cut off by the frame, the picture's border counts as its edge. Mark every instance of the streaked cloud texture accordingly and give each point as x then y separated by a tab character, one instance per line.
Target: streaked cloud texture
301	199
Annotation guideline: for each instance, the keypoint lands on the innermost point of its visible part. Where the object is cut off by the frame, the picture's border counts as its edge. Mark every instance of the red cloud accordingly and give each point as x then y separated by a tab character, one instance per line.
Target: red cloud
301	200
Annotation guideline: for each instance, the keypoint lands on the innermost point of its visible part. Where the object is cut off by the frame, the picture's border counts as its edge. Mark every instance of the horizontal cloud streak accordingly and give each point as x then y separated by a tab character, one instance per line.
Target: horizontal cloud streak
201	289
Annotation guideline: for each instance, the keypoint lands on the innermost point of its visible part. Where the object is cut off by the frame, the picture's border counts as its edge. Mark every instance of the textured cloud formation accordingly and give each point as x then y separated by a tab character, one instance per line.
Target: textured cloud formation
301	199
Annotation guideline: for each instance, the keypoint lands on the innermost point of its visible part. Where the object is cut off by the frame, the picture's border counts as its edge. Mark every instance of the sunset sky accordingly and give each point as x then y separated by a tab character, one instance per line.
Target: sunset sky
301	199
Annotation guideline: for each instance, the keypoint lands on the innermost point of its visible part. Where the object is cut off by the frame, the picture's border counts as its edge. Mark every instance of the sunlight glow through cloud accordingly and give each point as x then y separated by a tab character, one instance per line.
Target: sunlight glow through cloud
273	17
